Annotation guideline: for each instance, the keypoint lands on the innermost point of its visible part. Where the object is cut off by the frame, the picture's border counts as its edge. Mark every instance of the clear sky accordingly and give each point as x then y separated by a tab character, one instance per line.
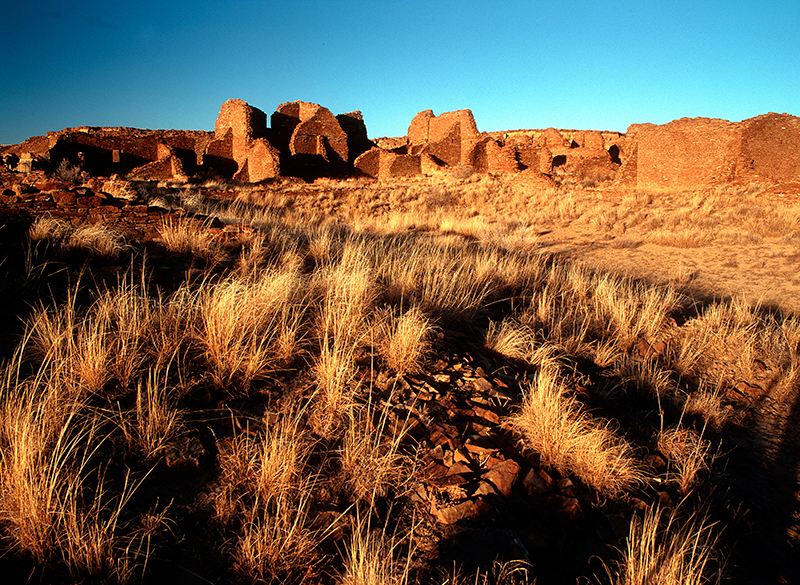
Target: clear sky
583	64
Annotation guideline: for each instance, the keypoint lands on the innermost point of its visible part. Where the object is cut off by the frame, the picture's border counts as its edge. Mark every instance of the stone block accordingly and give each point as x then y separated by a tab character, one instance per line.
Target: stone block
368	163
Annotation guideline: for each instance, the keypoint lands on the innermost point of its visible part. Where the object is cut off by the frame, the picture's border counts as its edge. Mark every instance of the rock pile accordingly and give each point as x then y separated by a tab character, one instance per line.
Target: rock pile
39	195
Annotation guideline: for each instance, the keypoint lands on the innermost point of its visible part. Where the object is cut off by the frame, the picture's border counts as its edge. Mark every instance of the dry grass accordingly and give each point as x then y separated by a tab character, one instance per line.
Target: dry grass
248	327
509	339
680	550
97	240
687	453
48	228
54	499
303	313
275	543
265	494
405	340
186	237
371	460
372	557
347	297
557	427
708	404
155	420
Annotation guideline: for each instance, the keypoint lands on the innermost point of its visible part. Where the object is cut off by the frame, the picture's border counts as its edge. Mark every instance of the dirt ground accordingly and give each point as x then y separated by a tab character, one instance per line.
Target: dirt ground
767	274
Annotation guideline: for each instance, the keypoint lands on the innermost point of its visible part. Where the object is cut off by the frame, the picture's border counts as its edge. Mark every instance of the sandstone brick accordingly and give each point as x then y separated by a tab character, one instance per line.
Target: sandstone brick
104	210
770	148
89	201
552	138
428	165
488	155
242	120
593	140
167	168
319	128
262	161
464	510
368	163
448	137
399	165
418	129
64	198
503	476
685	153
354	127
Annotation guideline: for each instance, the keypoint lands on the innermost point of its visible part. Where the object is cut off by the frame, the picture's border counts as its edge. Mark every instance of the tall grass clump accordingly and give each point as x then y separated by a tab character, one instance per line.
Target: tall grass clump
44	437
370	458
374	558
265	497
245	326
557	427
155	418
509	339
687	454
678	551
405	340
73	345
186	237
55	505
347	295
98	240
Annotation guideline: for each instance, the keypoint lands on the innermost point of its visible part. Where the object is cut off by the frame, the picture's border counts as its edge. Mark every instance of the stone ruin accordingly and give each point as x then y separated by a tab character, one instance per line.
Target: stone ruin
306	140
701	152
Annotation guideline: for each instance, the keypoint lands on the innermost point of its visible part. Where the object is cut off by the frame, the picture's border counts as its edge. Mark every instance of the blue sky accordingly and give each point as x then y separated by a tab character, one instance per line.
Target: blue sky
599	65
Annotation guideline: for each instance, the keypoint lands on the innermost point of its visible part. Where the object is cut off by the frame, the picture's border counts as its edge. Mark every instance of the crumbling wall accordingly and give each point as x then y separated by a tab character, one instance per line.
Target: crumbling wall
685	153
770	148
447	137
311	140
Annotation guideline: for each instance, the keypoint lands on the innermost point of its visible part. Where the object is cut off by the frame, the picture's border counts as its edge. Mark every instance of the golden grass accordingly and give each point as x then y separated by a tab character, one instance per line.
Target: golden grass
54	500
327	303
370	458
155	419
247	327
48	228
680	550
188	237
275	543
265	494
405	340
372	557
97	240
556	426
509	339
687	453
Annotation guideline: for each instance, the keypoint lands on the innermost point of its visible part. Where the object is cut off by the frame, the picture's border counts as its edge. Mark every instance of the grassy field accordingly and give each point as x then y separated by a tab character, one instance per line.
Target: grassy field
260	404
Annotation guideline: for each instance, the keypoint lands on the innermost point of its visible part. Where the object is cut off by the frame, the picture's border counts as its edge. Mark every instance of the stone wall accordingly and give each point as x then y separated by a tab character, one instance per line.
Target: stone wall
693	153
685	153
447	137
306	140
770	148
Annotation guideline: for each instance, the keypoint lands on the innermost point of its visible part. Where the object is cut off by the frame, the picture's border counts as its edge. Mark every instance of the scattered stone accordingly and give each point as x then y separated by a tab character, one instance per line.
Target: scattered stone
465	510
482	385
186	451
569	506
503	476
537	482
